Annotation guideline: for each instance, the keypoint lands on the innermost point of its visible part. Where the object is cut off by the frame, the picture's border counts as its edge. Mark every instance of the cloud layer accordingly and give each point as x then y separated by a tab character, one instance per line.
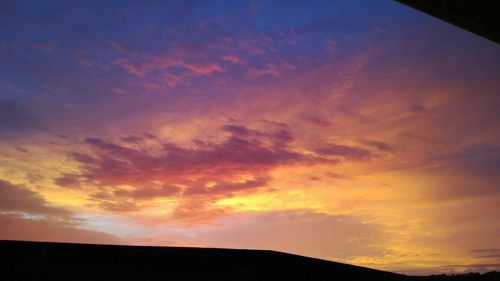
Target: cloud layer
25	215
199	175
329	129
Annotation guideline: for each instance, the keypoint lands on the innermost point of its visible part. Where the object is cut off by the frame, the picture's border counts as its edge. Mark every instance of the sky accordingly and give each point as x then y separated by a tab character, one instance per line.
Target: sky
362	132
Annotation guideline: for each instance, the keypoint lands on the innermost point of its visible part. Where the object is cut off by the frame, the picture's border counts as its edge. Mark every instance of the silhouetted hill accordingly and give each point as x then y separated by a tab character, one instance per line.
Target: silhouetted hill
64	261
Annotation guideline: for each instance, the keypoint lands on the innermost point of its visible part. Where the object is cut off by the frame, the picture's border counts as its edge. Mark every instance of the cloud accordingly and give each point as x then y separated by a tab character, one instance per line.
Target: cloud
135	140
208	171
204	67
337	176
244	152
120	91
69	181
231	58
15	118
417	108
486	253
379	145
268	71
274	69
47	47
298	231
15	227
141	64
479	159
315	120
473	267
124	49
224	188
198	211
17	198
134	68
348	152
26	215
190	49
274	123
106	201
472	172
165	190
238	130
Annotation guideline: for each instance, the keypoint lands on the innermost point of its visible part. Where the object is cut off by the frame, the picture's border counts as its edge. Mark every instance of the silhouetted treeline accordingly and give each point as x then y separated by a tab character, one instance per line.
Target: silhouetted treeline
471	276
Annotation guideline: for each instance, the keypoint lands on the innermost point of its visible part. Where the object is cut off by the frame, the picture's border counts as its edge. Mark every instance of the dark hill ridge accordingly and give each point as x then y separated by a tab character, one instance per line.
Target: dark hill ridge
21	260
65	261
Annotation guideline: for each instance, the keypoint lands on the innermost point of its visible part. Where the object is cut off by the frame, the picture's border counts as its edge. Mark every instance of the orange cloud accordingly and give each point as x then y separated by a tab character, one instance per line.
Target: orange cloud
26	215
15	227
127	176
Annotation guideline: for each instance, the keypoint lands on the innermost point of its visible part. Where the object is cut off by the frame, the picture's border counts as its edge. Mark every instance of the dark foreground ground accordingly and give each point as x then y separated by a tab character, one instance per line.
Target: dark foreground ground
63	261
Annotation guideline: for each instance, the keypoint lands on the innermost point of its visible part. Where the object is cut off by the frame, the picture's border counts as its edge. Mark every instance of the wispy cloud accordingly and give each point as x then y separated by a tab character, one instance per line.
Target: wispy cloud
26	215
141	64
16	198
345	151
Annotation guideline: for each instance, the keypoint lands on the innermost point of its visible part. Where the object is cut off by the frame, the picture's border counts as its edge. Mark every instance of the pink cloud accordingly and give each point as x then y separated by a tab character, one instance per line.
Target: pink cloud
140	64
315	120
231	58
348	152
245	150
207	172
198	211
118	90
136	69
254	72
203	67
270	69
46	46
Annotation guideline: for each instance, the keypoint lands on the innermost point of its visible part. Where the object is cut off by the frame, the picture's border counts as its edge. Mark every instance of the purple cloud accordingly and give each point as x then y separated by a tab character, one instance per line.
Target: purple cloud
382	146
348	152
209	170
315	120
17	198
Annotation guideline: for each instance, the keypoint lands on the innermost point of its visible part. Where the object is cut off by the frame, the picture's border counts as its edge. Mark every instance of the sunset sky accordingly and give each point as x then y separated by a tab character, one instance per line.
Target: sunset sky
362	132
